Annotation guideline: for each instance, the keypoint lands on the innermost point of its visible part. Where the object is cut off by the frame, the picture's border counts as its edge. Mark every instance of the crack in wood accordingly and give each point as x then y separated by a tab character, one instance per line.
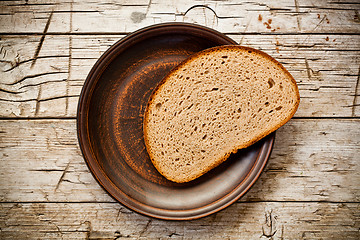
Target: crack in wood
282	232
32	59
88	229
148	7
119	235
301	176
9	91
62	176
246	28
80	182
79	11
269	227
46	170
37	106
312	31
351	105
118	215
3	51
40	100
356	94
58	230
41	40
327	8
13	63
33	76
297	15
62	142
57	227
317	25
38	84
56	68
307	69
328	87
279	9
32	4
143	231
174	234
6	61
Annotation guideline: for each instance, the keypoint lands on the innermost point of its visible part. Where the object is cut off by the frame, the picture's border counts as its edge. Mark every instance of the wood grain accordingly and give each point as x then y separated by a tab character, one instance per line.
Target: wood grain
27	89
312	160
232	16
264	220
310	188
326	71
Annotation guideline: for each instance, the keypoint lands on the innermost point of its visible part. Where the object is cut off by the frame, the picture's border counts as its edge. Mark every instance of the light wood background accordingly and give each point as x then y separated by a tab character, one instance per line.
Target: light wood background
309	190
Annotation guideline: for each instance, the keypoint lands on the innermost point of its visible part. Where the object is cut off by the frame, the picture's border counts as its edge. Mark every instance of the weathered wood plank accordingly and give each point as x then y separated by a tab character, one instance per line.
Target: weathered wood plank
32	16
239	221
313	160
232	16
325	67
309	189
29	81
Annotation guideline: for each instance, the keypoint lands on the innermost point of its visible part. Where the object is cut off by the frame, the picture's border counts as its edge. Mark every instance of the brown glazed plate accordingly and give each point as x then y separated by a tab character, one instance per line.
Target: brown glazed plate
110	120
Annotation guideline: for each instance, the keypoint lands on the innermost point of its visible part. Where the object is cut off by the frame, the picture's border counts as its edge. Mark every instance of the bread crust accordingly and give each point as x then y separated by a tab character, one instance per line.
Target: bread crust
236	148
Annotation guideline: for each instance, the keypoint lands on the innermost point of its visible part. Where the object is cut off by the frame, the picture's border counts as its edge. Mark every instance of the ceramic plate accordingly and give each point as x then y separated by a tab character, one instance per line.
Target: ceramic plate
110	117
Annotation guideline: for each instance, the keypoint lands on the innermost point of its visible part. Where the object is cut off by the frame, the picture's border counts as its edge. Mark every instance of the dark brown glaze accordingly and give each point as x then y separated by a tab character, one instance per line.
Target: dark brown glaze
110	127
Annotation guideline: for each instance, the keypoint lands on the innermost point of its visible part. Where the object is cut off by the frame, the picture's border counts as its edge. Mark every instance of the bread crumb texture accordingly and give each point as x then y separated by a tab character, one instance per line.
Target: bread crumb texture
216	102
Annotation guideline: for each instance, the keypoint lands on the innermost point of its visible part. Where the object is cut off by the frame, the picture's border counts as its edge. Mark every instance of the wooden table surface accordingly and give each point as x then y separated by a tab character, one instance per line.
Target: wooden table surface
310	188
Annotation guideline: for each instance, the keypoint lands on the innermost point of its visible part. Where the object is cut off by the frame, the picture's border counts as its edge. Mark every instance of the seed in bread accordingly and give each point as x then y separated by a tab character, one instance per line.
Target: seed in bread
216	102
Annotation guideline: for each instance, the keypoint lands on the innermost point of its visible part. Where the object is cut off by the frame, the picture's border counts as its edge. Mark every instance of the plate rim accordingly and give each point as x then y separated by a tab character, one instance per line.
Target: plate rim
102	178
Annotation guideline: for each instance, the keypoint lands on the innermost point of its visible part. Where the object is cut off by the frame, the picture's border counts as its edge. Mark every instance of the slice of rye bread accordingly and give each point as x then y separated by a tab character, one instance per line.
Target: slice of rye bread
215	102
